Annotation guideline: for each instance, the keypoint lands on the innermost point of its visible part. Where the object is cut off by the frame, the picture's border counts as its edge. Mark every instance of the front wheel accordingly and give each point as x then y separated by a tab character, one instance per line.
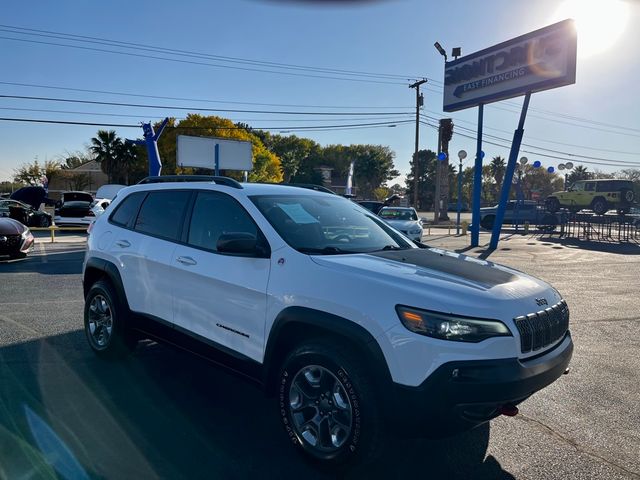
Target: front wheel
599	206
328	406
104	322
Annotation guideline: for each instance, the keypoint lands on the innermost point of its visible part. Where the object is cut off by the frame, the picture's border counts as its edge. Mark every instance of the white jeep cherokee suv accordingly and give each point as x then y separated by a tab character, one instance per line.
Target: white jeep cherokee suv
357	331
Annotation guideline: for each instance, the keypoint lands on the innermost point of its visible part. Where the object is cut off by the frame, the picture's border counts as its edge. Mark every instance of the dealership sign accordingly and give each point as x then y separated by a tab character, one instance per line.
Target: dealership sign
539	60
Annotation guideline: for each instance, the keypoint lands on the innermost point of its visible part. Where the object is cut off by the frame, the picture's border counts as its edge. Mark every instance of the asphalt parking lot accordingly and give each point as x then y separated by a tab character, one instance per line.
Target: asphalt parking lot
165	414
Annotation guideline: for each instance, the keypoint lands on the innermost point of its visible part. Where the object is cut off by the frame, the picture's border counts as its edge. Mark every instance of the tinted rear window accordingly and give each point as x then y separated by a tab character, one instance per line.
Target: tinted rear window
162	213
128	209
613	185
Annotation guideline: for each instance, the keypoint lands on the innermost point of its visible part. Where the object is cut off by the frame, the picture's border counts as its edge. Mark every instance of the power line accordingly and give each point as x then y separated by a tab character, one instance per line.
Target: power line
122	115
106	92
193	62
138	46
121	125
544	140
199	109
555	157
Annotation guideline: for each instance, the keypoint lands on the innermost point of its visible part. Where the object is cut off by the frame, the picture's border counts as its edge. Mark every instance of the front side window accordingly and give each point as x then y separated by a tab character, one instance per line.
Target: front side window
321	224
578	187
590	187
162	213
215	214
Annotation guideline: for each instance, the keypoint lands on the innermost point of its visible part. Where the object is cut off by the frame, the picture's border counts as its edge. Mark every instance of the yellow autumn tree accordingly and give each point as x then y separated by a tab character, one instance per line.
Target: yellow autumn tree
266	165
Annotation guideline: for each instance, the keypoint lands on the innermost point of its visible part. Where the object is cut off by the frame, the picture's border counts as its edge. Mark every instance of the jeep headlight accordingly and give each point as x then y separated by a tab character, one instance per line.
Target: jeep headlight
450	327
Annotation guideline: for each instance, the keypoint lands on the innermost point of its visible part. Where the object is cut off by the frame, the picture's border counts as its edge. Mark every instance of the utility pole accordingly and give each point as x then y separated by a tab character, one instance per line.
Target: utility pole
416	170
441	200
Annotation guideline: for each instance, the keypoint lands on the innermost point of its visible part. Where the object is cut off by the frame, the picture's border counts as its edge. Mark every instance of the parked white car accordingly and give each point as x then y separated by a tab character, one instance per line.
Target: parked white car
104	196
403	219
357	331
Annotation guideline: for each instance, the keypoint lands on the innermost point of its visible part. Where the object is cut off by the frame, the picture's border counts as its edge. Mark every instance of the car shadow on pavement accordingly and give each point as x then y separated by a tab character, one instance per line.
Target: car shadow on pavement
163	413
619	248
58	263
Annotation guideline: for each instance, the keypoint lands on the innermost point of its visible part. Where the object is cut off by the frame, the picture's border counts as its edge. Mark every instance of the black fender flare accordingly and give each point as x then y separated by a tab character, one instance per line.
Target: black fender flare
108	270
325	323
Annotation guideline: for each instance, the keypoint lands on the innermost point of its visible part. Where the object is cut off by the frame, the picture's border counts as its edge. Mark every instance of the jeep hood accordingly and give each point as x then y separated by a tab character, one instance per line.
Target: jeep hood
425	271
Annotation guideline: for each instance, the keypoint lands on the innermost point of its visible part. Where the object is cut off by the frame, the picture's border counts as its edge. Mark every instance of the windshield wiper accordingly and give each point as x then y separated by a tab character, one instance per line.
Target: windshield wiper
324	251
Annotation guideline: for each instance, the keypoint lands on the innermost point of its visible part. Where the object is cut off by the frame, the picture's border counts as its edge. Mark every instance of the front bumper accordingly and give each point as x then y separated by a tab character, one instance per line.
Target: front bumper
460	395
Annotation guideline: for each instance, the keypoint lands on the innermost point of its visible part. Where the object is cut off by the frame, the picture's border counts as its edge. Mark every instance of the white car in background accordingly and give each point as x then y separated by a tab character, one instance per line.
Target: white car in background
104	196
404	219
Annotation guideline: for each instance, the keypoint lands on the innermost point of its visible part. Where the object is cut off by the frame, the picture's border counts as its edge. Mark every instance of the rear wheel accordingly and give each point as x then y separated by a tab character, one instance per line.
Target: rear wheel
599	206
487	222
105	322
328	406
552	204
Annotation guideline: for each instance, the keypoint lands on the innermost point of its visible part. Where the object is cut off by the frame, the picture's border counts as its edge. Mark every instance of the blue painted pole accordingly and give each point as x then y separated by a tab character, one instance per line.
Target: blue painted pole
217	159
459	198
508	176
477	183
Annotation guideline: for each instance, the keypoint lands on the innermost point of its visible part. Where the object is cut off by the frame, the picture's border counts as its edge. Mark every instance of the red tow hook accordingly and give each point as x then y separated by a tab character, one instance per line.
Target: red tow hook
508	410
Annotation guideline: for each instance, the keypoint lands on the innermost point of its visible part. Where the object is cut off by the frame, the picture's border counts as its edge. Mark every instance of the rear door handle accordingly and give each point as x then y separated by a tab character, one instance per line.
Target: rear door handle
123	243
186	261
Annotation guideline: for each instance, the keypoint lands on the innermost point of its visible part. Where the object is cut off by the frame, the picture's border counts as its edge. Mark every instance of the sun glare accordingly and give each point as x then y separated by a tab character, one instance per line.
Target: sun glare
599	23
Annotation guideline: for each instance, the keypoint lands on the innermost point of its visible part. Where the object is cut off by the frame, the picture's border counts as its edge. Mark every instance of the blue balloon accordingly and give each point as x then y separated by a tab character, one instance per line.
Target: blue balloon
442	156
481	154
550	169
537	164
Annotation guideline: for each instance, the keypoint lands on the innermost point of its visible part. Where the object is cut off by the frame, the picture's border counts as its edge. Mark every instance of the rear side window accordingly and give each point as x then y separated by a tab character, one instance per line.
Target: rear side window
215	214
162	213
128	209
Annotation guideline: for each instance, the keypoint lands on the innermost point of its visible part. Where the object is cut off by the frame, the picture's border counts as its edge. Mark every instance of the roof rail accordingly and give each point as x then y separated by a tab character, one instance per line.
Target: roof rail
310	186
218	180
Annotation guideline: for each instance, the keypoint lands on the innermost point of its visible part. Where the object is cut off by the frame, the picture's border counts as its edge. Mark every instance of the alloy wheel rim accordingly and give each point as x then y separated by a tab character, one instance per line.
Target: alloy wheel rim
100	322
321	411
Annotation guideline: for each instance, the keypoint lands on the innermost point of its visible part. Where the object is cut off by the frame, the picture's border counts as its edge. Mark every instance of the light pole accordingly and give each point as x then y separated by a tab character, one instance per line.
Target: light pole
461	155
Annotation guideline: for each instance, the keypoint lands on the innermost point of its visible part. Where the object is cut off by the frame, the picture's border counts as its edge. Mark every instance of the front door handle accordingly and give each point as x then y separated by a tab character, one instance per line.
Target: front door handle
186	261
123	243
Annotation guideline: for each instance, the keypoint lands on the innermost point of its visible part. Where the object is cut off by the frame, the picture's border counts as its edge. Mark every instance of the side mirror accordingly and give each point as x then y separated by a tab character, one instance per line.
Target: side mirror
241	243
58	204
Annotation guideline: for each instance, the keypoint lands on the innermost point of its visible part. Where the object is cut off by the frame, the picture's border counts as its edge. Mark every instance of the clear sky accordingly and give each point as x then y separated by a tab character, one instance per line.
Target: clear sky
393	37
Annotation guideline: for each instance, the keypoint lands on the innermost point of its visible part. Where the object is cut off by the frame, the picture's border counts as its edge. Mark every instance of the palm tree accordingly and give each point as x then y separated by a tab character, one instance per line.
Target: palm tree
579	173
106	147
127	156
497	168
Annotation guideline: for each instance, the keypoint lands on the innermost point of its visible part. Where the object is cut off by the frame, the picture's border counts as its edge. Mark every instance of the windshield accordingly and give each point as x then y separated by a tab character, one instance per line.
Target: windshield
398	214
321	224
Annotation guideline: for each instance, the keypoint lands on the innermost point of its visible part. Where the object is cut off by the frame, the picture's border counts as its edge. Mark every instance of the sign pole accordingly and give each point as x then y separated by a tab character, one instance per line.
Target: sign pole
217	159
508	176
477	183
459	197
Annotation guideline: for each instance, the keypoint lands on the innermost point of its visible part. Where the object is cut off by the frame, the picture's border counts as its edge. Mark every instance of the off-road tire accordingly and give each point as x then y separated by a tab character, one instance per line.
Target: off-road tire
104	307
367	435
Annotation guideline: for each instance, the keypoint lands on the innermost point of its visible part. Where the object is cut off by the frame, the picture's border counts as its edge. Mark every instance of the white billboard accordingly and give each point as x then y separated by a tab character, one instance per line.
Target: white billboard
200	152
537	61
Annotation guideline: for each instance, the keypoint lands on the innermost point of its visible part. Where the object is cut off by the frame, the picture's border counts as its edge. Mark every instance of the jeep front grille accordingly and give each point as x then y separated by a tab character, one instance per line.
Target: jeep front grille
540	329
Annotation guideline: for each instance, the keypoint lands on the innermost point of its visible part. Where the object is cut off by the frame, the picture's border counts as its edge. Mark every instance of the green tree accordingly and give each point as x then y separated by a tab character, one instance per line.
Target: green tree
497	169
291	149
32	173
266	164
106	146
426	179
580	172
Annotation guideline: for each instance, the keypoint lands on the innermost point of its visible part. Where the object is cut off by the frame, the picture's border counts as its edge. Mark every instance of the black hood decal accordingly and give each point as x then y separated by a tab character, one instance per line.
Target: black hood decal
487	274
